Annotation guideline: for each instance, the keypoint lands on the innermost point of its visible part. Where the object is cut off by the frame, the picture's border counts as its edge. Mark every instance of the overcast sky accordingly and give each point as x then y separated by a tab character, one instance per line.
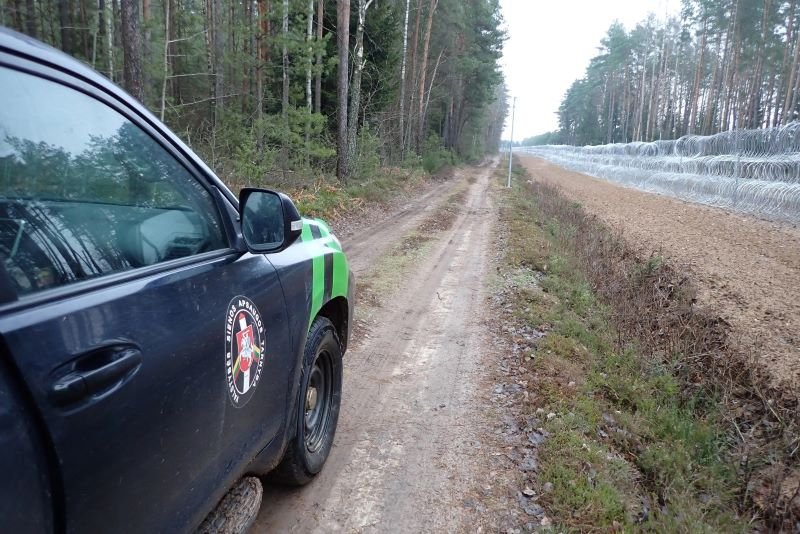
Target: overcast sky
550	43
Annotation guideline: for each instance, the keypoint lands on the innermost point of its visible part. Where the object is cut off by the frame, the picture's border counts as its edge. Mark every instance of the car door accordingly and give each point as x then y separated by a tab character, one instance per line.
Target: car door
157	355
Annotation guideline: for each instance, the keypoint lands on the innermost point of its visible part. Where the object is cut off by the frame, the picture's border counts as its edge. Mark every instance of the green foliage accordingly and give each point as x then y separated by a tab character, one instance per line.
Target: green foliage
216	72
435	155
468	107
367	162
547	138
247	154
662	80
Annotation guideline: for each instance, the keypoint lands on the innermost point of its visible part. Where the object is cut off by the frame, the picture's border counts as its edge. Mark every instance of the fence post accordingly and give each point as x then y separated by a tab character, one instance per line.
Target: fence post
738	167
511	142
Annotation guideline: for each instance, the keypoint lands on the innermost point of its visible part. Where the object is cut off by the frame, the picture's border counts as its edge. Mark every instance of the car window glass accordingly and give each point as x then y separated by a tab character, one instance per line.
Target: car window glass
85	192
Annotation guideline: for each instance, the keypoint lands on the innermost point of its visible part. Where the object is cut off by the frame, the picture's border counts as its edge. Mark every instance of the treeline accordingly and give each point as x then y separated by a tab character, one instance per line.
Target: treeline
262	87
720	64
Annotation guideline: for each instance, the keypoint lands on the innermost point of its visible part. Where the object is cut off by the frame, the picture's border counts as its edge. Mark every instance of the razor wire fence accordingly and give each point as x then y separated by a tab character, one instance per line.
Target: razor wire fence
752	171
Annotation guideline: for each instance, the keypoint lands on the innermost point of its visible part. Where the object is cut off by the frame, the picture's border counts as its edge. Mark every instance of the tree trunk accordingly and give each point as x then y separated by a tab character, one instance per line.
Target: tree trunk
318	81
219	59
309	65
65	22
285	86
263	35
166	60
175	63
710	109
795	95
732	67
355	84
403	82
754	100
248	39
110	38
430	85
208	26
414	74
639	127
146	51
694	97
84	31
423	72
788	110
342	44
30	18
784	82
310	59
285	67
100	32
146	17
132	49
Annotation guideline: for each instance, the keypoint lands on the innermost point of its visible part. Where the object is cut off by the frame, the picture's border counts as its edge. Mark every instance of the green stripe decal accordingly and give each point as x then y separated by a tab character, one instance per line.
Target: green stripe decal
305	234
317	274
334	282
317	286
340	276
323	226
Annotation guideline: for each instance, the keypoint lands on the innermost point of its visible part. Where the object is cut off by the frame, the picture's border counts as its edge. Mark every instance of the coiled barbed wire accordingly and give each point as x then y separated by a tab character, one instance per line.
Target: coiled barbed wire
752	171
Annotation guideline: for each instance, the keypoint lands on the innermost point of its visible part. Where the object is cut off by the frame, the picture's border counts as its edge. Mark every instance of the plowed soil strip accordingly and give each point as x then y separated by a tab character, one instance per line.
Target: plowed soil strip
406	447
745	268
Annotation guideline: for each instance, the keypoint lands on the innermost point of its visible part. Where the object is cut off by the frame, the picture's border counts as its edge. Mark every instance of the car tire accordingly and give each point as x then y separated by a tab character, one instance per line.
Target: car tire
237	511
317	410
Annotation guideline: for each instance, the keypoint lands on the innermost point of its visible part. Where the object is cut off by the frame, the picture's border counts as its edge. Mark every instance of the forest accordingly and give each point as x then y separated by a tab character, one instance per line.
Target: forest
717	65
266	88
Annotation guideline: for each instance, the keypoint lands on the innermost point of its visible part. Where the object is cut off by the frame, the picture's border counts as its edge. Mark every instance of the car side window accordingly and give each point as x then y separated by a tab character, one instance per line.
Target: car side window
85	192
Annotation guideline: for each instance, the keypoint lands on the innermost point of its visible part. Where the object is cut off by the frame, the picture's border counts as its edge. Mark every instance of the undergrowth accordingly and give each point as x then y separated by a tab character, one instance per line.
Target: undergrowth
321	195
655	422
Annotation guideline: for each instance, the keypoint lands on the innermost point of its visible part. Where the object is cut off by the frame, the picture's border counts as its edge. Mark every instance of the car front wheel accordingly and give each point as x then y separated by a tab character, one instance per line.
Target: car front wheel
318	407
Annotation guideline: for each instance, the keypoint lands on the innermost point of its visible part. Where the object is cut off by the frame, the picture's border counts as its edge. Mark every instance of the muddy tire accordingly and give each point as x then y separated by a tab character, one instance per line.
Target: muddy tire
237	510
318	407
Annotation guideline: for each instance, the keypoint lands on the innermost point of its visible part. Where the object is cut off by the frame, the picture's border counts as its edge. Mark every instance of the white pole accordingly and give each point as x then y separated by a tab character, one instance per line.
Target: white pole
511	143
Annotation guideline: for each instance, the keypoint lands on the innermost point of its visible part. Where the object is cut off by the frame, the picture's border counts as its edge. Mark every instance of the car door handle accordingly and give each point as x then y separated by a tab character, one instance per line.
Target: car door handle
96	372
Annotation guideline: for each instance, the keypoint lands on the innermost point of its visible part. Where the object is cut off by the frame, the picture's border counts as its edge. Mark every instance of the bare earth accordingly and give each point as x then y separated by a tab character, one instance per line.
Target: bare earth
407	446
747	269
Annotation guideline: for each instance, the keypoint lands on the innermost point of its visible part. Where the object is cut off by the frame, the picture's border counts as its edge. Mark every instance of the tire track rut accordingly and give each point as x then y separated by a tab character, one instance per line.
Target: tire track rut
406	445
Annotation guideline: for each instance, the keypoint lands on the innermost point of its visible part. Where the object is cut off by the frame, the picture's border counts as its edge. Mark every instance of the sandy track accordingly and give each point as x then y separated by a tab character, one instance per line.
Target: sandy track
406	446
366	245
747	269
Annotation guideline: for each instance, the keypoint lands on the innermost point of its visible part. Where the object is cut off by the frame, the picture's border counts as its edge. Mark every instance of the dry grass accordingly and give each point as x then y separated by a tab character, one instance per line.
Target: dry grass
653	307
325	197
698	418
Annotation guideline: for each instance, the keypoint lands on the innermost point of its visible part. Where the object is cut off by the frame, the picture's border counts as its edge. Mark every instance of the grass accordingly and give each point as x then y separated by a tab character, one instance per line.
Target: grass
325	197
629	447
331	200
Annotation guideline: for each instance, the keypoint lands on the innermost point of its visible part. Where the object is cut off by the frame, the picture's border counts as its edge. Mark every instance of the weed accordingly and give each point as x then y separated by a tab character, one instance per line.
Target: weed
635	442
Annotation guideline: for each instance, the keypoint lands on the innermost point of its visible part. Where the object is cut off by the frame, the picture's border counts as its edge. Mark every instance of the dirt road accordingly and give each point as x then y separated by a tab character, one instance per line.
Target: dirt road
747	269
406	445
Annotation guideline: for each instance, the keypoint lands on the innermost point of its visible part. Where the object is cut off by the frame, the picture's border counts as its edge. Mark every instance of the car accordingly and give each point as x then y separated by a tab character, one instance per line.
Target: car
162	338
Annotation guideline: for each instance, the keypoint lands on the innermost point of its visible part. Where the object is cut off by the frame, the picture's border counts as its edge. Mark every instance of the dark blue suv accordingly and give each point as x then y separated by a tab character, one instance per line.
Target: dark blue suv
161	338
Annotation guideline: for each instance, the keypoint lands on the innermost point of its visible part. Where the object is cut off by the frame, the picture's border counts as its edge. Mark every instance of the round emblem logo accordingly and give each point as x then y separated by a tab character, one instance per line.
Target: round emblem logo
244	349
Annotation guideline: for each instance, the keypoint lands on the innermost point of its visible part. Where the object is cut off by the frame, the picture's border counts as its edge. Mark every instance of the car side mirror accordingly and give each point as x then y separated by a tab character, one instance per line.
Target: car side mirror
270	220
